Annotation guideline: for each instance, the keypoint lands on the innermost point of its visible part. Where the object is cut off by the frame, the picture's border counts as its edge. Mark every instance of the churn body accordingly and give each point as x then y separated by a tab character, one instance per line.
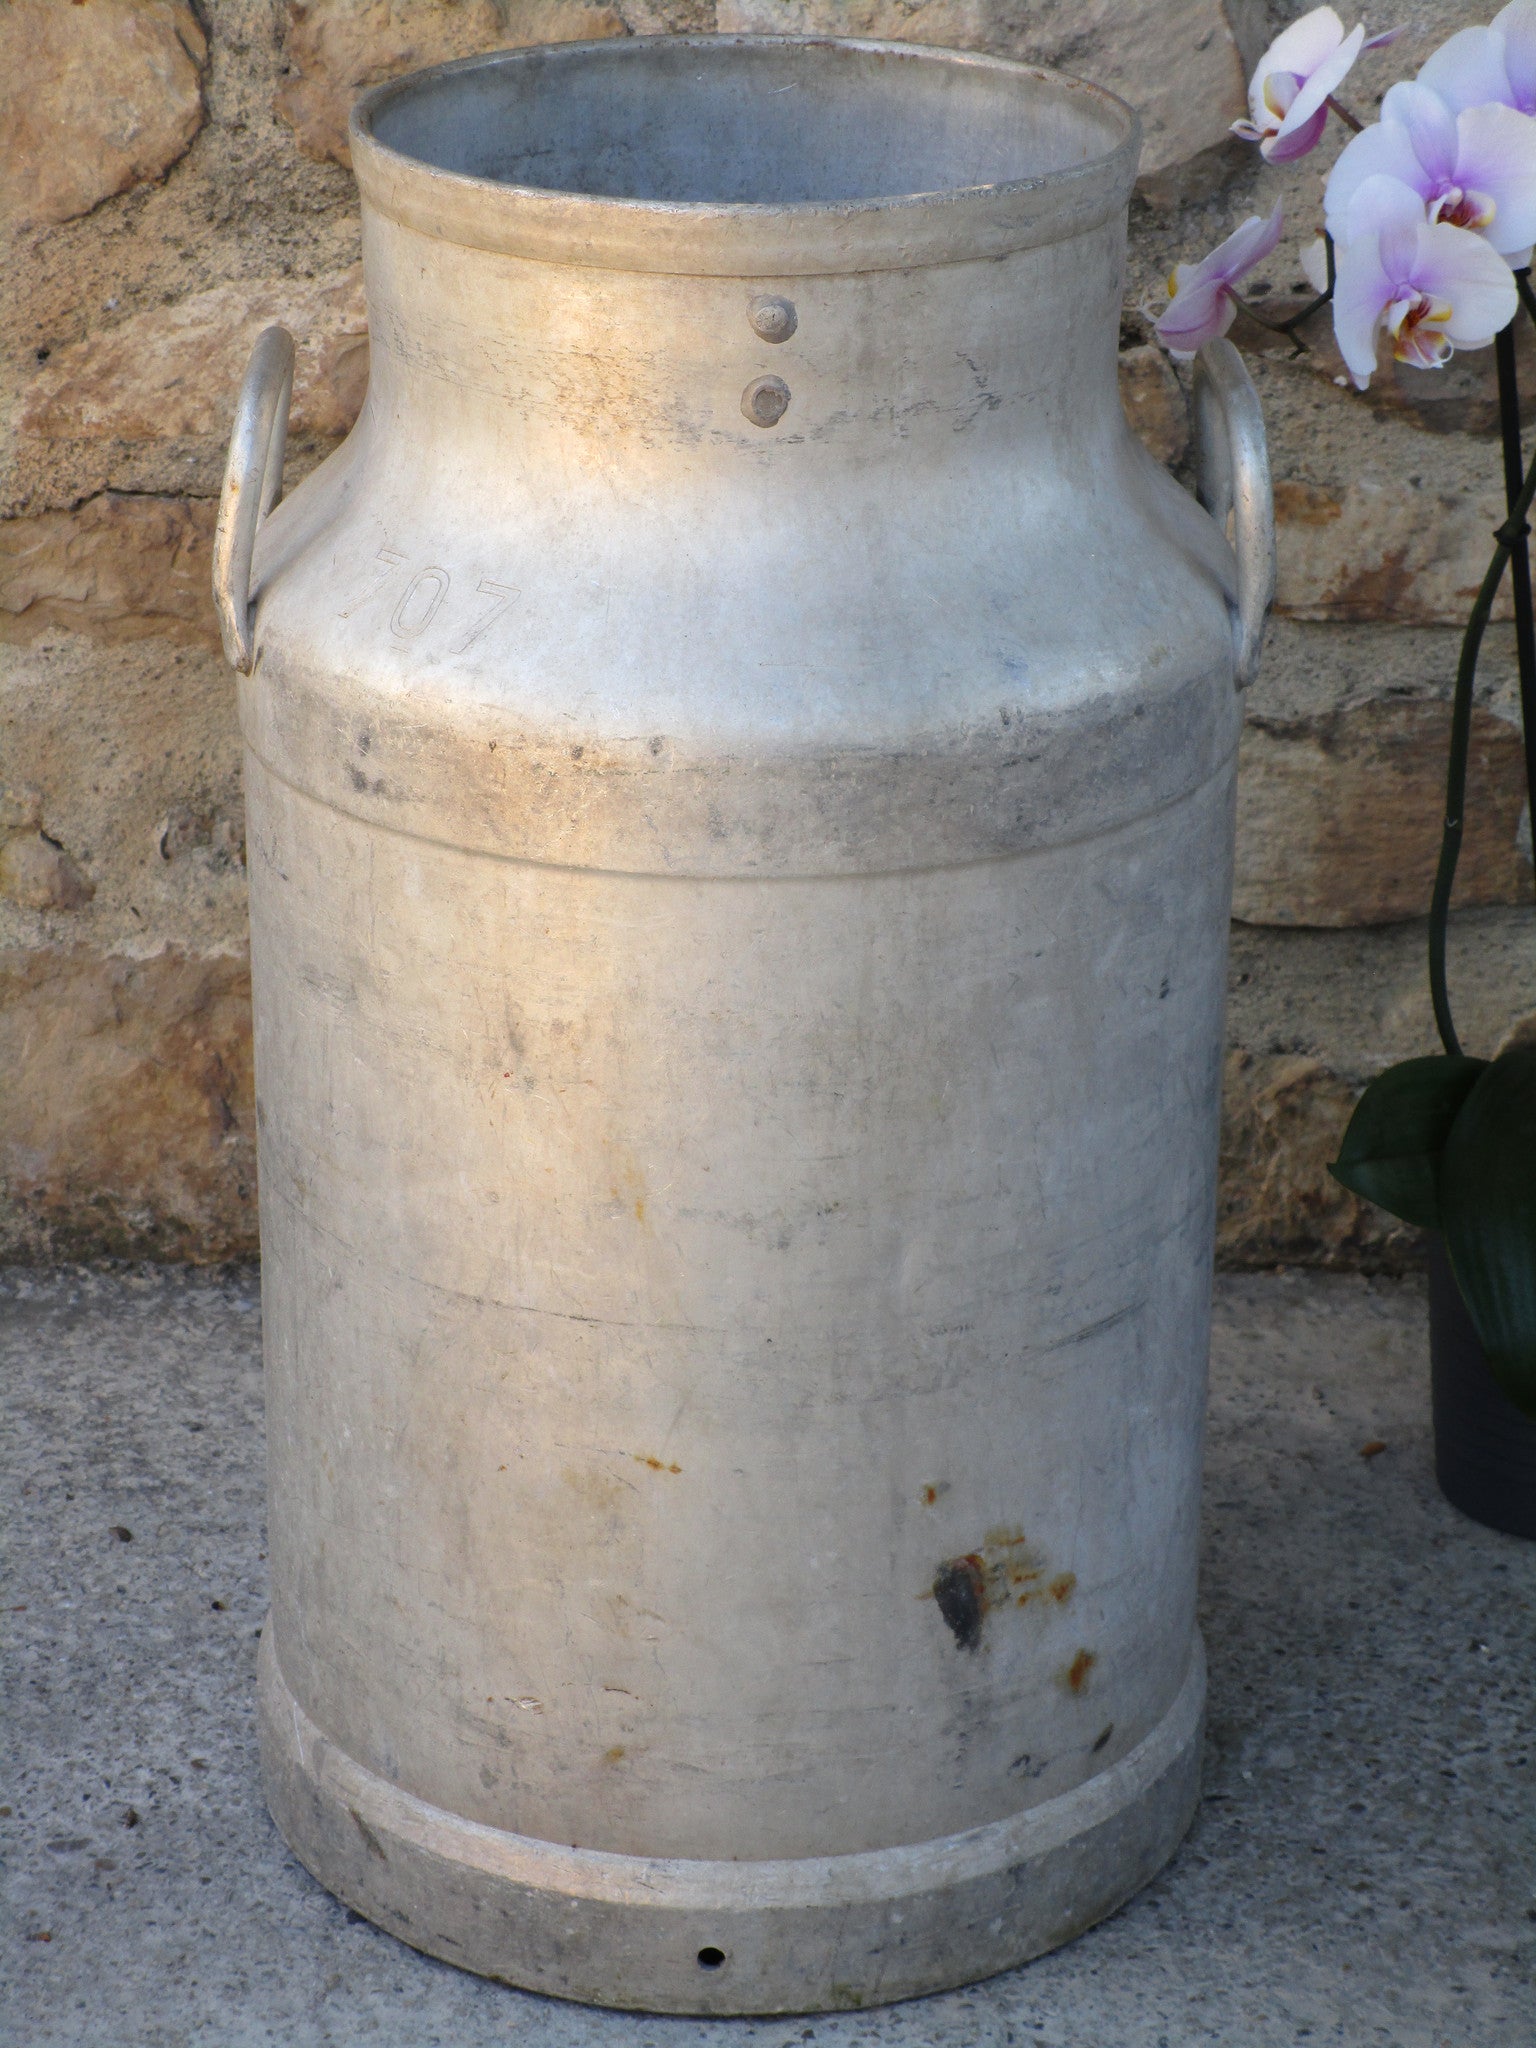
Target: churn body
738	891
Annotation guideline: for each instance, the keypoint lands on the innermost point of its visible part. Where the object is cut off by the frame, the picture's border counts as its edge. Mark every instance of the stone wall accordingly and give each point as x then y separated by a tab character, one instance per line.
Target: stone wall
173	177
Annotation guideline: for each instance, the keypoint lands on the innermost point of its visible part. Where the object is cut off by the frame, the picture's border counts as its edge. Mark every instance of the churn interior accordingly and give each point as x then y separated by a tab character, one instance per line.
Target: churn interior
720	121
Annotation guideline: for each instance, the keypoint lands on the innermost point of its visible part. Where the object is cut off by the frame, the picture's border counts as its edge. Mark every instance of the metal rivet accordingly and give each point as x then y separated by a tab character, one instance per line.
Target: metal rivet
772	319
765	401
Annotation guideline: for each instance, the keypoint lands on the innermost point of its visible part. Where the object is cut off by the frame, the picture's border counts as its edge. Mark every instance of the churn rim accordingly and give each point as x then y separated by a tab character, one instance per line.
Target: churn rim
740	238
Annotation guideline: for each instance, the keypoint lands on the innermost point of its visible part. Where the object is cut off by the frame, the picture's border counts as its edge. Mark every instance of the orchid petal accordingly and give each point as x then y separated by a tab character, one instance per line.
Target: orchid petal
1454	264
1361	294
1386	37
1326	79
1251	243
1279	93
1397	249
1468	70
1430	124
1202	305
1384	150
1232	259
1287	143
1497	155
1196	315
1381	205
1304	45
1517	25
1314	263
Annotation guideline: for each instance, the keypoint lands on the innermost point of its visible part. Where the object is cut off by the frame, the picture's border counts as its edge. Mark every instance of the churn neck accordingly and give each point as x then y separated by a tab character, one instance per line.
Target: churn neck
584	248
745	156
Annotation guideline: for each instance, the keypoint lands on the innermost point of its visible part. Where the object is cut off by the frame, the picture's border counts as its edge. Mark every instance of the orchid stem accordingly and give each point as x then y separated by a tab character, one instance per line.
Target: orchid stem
1273	326
1313	305
1350	120
1520	558
1510	536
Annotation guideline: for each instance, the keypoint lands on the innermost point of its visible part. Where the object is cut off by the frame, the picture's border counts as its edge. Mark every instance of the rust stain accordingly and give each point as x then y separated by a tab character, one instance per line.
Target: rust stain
629	1190
1077	1671
1004	1572
1373	1449
929	1495
1373	593
1305	504
654	1464
614	1755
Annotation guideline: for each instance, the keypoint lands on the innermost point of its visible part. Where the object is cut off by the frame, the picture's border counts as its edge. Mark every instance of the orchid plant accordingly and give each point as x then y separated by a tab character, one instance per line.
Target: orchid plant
1429	220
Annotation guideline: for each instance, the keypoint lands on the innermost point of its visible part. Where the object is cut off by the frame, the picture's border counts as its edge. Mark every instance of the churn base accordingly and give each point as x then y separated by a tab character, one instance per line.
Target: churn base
663	1934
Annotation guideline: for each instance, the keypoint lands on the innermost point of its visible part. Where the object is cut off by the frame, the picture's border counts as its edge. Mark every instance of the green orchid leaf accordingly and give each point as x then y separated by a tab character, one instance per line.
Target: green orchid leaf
1488	1214
1391	1150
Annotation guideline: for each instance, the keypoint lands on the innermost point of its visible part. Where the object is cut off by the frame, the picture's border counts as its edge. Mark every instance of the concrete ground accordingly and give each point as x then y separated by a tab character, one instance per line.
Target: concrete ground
1362	1870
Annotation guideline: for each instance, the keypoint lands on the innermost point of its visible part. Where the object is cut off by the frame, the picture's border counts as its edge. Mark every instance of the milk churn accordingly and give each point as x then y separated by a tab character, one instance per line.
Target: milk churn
740	776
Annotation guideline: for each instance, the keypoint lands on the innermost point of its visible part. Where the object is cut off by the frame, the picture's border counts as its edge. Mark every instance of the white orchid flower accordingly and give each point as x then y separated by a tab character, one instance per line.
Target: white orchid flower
1474	169
1289	92
1431	287
1479	67
1203	301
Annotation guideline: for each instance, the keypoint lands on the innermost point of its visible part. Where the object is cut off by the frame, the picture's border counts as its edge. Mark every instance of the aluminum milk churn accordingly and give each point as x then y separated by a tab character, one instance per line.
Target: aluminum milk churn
740	770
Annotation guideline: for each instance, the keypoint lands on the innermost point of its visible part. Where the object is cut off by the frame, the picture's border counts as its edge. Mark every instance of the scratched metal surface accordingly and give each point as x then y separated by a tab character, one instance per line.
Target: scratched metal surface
1362	1870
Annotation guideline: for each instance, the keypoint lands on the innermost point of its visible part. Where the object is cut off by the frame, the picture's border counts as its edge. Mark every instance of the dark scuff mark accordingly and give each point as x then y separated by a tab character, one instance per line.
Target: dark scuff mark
1103	1737
960	1592
371	1841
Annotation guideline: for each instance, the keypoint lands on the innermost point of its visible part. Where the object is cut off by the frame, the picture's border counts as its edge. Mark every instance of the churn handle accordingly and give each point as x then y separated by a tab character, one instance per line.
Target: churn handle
1232	479
253	483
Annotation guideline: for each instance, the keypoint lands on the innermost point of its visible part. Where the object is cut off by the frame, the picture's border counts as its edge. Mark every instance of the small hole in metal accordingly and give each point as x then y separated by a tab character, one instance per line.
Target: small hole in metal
711	1958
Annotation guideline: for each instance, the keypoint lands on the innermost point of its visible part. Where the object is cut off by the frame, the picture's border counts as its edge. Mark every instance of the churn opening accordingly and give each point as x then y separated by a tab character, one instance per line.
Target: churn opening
720	120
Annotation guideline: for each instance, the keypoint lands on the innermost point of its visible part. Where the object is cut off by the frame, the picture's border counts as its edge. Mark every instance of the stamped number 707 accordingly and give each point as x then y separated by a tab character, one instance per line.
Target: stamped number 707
423	598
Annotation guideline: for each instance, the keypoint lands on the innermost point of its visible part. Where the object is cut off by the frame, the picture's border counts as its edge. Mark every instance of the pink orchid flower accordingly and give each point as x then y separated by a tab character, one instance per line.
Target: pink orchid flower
1289	92
1432	287
1202	302
1474	169
1494	65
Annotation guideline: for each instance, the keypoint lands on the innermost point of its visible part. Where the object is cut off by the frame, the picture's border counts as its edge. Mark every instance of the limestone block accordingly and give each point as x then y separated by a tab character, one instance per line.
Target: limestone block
1154	402
38	874
118	566
174	371
127	753
336	49
1311	1016
1461	397
1385	503
95	97
1282	1119
127	1123
1338	817
1176	61
1380	548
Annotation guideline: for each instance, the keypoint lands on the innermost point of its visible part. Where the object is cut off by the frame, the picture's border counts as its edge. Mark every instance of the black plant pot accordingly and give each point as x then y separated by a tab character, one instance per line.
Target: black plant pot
1485	1449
